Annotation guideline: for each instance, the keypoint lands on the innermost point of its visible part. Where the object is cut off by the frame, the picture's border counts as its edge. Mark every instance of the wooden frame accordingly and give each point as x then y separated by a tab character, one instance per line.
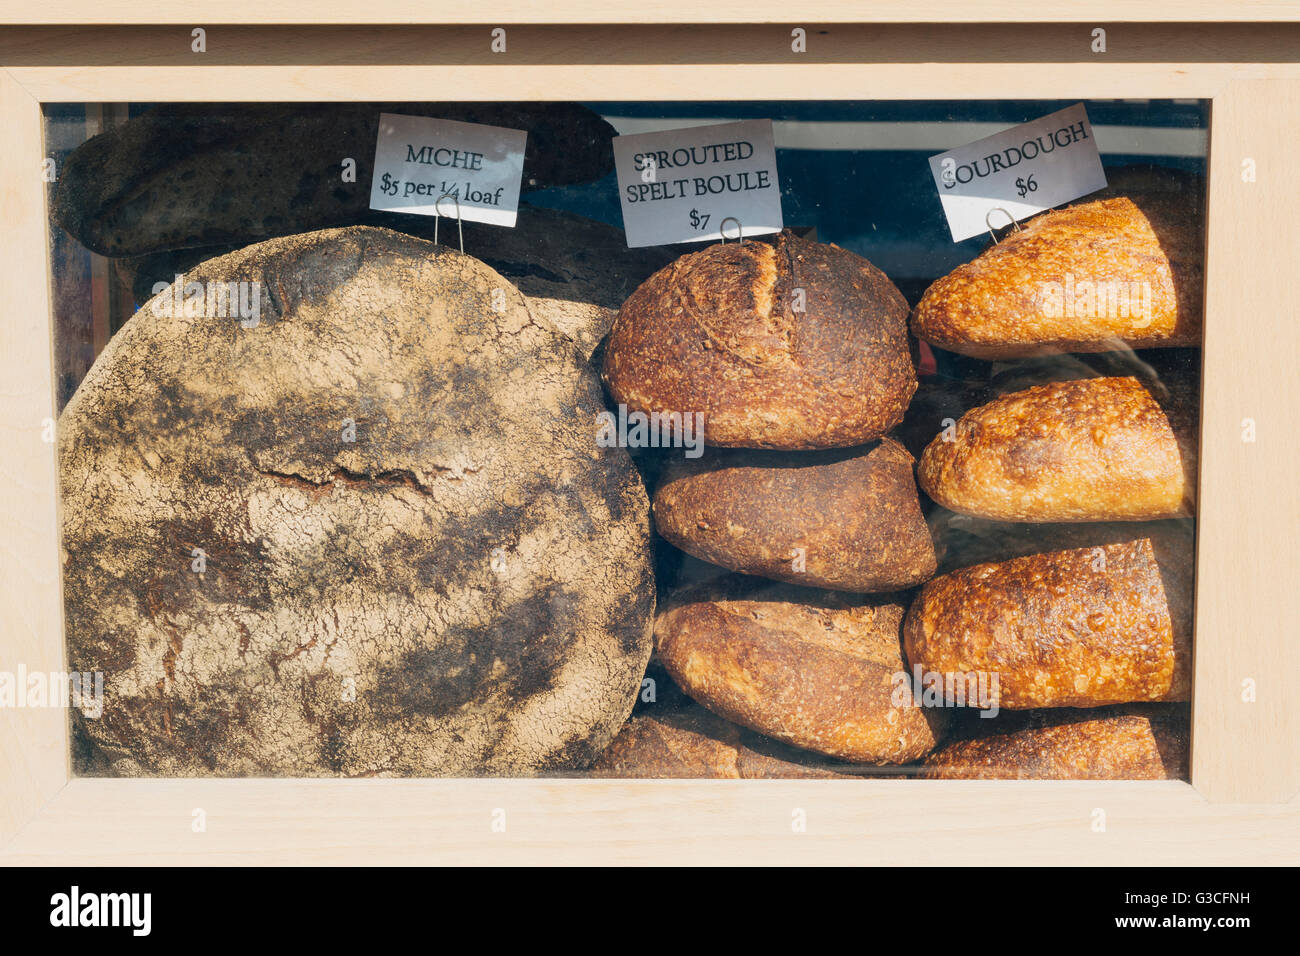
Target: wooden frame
1241	805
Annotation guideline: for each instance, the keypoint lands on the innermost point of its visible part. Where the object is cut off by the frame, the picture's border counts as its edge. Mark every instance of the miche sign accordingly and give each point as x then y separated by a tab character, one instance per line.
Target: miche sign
698	184
1018	172
438	167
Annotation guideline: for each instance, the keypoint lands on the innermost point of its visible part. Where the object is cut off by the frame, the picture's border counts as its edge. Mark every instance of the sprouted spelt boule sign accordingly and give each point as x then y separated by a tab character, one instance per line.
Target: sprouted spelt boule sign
439	167
698	184
1017	173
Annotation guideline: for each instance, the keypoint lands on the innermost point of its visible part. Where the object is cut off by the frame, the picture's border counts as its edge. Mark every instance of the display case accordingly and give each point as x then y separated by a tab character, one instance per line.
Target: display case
974	538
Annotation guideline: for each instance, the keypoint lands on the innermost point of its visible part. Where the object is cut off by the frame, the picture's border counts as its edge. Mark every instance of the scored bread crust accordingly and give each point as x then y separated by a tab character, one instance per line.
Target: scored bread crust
790	344
1067	744
1098	449
1077	628
806	667
1000	305
849	521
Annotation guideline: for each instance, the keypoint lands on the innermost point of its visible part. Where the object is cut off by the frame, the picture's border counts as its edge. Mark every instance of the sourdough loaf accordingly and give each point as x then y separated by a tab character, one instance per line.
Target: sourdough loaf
848	520
811	668
788	345
1104	275
1111	743
203	174
325	542
1099	449
1075	628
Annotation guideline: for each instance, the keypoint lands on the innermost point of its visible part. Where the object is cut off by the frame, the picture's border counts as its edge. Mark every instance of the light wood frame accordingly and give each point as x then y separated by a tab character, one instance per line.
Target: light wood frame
1241	805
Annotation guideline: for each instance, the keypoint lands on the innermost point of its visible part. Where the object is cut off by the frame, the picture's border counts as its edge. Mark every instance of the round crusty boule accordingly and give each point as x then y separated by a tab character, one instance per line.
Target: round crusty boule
791	344
367	532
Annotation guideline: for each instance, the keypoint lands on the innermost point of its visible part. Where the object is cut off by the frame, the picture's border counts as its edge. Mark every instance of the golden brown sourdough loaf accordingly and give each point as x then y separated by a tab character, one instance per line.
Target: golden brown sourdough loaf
790	344
1126	271
1112	743
1098	449
848	520
1078	628
811	668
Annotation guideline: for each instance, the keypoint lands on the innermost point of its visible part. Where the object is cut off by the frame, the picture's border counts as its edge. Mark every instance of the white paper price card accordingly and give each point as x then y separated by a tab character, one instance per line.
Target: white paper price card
1018	172
697	184
419	160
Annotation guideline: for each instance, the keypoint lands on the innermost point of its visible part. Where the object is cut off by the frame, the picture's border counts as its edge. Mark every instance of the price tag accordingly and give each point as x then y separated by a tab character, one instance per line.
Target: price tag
1020	171
419	160
698	184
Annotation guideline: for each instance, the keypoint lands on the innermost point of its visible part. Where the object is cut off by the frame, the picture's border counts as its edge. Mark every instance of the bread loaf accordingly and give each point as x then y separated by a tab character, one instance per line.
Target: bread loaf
1120	743
323	541
669	735
575	272
1100	449
1076	628
848	520
1104	275
790	344
810	668
204	174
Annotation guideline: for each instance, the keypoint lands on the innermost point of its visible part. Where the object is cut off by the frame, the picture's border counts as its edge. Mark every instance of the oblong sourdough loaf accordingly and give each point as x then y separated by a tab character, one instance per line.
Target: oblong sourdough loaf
1111	743
790	344
322	541
202	174
848	520
1126	271
1076	628
810	668
1098	449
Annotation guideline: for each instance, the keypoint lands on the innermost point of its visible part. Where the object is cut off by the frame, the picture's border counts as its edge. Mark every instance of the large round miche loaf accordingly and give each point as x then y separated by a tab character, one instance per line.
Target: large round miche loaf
200	174
1139	742
1125	271
575	272
848	520
1098	449
811	668
1077	628
789	344
327	542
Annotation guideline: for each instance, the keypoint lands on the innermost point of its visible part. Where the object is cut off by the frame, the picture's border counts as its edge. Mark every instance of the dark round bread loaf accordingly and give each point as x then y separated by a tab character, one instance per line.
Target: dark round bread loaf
812	668
367	533
203	174
790	344
848	520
